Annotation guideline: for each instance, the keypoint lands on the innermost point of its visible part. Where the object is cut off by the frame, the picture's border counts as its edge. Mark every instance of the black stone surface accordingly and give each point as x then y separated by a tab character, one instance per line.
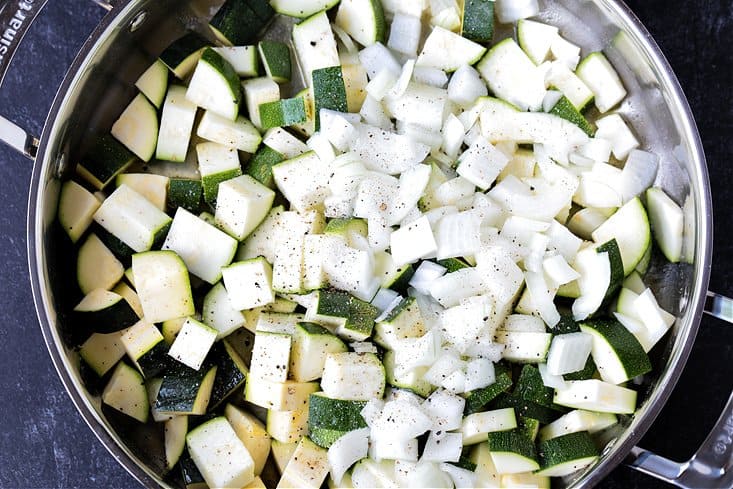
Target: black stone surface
44	442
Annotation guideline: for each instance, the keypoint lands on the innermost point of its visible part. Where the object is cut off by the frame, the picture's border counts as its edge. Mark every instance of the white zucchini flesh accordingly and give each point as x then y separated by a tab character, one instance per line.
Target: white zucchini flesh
512	76
630	227
302	180
211	88
476	426
153	82
97	267
271	356
353	376
193	343
176	124
252	433
258	91
162	282
219	313
536	38
596	395
249	283
244	59
307	468
667	223
137	127
153	187
577	420
602	79
103	351
301	8
125	392
202	247
525	347
363	20
131	218
284	143
315	45
76	209
241	205
448	51
221	457
175	439
567	82
240	134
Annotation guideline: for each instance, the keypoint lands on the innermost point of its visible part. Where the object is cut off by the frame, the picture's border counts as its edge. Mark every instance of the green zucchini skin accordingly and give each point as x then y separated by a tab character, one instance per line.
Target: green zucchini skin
587	373
627	348
565	109
181	49
181	387
261	163
186	193
116	317
478	20
239	22
527	409
617	268
477	399
530	387
106	159
566	448
231	372
155	361
329	91
514	441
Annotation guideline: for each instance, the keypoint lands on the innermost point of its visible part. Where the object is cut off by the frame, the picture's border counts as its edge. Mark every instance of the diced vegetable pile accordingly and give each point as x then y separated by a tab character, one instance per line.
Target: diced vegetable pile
425	268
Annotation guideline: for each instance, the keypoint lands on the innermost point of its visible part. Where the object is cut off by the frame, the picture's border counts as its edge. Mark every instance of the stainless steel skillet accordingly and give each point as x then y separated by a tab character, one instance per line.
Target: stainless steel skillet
98	86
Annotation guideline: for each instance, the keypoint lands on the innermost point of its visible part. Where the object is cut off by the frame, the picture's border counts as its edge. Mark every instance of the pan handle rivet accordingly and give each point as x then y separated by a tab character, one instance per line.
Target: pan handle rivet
138	20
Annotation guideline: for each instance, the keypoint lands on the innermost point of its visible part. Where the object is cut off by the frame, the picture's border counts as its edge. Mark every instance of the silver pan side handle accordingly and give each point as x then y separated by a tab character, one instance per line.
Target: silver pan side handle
16	17
712	465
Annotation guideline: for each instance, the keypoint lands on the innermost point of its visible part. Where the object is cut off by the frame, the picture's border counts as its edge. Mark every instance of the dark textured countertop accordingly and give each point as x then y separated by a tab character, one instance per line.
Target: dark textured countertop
45	443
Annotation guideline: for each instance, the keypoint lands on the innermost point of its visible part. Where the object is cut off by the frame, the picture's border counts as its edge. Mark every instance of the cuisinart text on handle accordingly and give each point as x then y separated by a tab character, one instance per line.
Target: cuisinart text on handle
15	25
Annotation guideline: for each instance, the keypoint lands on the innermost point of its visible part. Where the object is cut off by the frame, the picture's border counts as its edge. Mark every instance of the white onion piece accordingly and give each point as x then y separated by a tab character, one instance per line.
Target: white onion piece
346	451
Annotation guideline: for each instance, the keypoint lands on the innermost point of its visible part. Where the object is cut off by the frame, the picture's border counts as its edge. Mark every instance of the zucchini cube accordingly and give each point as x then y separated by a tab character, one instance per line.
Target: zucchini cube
241	205
249	283
193	343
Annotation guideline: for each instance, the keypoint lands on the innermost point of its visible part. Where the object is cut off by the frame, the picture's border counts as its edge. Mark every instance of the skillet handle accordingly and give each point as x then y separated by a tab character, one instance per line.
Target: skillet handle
16	17
712	465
